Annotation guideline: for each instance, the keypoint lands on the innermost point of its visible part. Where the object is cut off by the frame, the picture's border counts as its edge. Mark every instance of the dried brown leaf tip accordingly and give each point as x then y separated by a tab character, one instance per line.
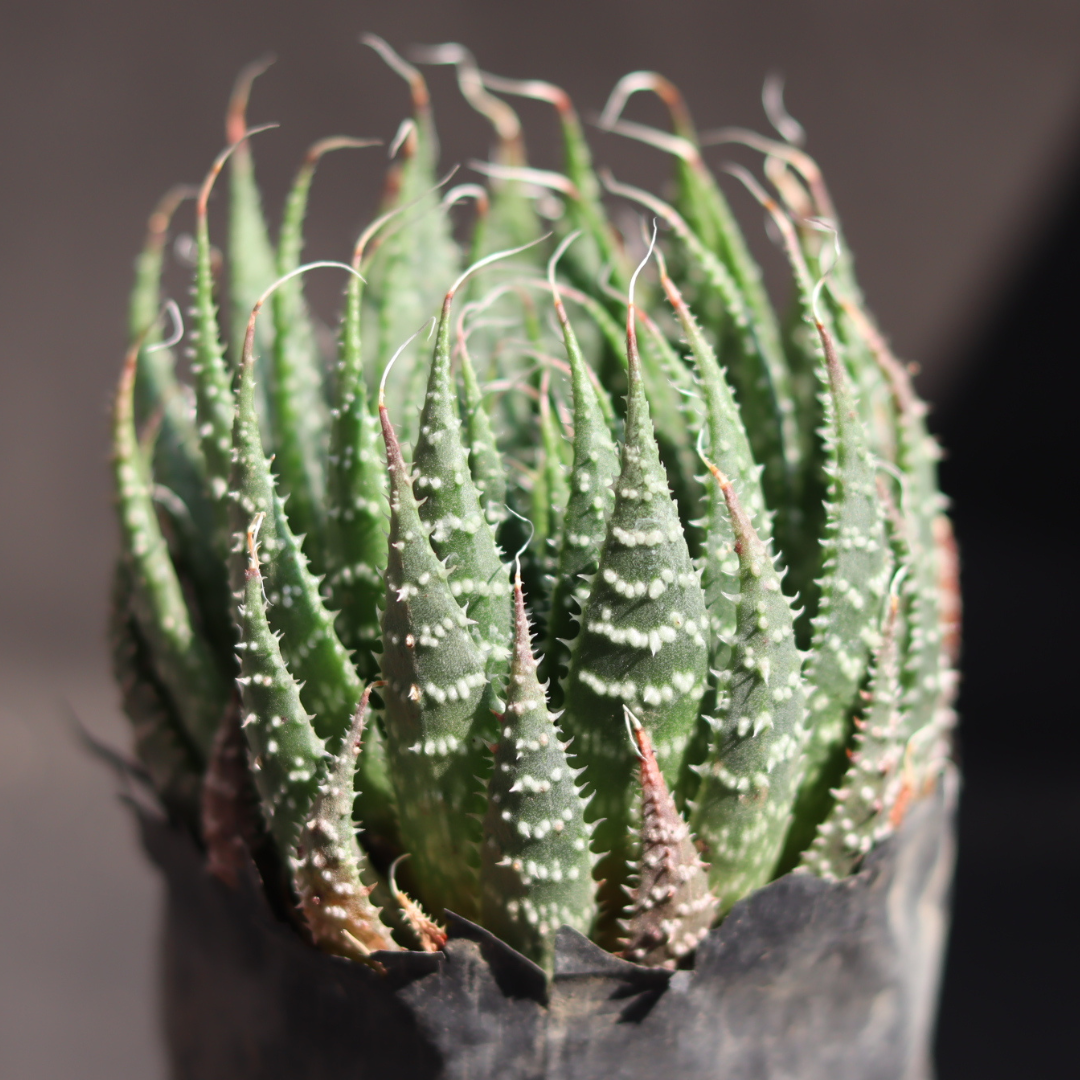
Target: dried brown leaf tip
431	936
671	906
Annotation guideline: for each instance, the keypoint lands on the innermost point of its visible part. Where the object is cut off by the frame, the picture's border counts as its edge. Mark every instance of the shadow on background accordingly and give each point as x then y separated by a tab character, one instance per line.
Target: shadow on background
1010	995
939	124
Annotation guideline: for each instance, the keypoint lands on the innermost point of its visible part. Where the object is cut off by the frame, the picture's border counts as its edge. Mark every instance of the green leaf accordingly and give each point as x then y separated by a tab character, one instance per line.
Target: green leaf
591	498
614	339
863	807
750	778
181	656
826	251
856	565
706	210
214	405
550	510
315	656
677	414
730	449
252	266
579	186
510	220
802	521
719	564
301	422
162	746
536	867
356	488
485	462
165	410
412	267
288	757
757	369
460	534
437	721
643	637
925	543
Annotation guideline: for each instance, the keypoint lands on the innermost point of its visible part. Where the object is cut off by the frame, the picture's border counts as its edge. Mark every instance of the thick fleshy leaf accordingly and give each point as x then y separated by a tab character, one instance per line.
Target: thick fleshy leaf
863	809
729	447
600	245
591	498
415	263
671	907
643	638
330	870
330	687
536	866
300	418
459	531
165	409
289	760
749	781
437	724
182	658
485	463
251	262
856	565
213	383
356	487
757	369
162	747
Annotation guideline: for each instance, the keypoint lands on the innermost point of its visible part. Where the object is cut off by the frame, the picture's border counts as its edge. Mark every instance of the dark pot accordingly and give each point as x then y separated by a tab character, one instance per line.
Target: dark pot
804	980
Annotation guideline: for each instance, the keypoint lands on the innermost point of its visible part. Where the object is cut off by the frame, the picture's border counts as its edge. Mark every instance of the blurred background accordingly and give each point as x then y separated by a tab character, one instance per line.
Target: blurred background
949	131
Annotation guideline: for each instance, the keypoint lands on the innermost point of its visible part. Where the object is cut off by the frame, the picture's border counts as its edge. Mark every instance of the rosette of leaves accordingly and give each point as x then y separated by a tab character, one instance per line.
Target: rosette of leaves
724	651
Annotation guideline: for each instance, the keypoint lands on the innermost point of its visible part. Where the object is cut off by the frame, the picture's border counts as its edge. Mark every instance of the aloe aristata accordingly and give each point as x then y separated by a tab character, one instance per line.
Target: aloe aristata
732	551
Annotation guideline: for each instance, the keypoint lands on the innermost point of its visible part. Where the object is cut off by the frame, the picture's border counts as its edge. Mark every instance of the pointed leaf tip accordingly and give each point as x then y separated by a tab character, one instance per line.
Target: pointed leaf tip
671	908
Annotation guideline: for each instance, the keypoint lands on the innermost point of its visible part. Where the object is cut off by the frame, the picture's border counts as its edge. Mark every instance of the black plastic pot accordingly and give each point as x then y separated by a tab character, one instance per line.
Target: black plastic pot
804	979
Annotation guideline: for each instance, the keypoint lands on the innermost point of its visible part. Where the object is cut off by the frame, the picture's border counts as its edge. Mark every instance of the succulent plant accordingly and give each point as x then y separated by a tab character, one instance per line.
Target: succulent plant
731	552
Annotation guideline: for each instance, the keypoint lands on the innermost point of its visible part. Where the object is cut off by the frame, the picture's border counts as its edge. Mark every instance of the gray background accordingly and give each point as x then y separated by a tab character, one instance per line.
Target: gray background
942	126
